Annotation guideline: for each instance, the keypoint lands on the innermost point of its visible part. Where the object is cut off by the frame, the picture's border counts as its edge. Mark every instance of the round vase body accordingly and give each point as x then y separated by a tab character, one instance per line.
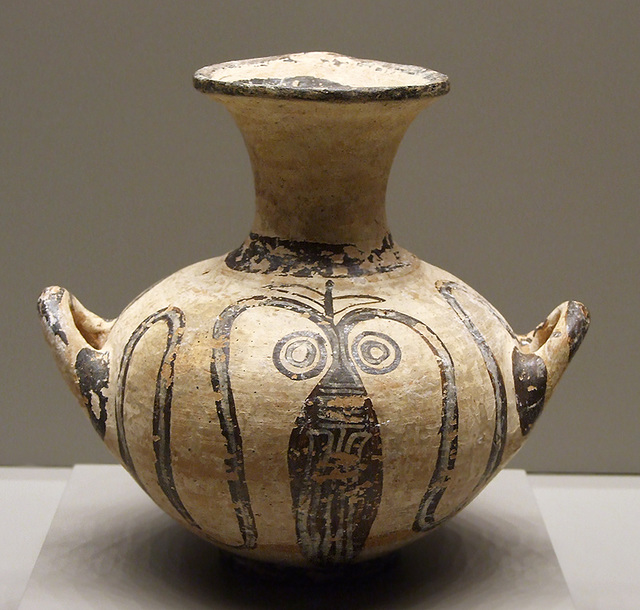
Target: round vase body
318	396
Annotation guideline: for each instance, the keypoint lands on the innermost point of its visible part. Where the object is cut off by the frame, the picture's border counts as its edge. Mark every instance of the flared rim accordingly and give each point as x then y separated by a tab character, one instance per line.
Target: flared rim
321	76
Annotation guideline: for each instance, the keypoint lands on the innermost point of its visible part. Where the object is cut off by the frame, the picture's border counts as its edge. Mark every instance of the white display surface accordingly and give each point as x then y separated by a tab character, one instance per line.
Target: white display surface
594	524
110	547
28	500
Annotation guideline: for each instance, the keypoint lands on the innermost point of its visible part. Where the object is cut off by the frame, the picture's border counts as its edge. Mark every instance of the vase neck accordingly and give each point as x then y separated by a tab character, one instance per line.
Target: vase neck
321	168
321	130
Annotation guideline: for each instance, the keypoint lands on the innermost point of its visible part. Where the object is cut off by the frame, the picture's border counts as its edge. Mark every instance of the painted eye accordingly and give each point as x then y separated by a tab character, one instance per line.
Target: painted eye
375	353
300	355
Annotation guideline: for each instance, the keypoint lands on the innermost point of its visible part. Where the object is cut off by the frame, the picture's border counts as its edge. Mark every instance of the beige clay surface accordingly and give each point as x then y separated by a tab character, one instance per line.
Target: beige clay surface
319	395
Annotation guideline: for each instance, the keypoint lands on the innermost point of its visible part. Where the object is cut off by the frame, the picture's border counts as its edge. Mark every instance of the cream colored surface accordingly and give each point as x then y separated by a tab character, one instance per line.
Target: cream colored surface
321	169
346	71
320	177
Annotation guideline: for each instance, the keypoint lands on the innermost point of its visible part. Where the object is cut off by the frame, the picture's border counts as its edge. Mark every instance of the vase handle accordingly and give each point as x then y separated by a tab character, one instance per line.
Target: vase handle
74	334
558	338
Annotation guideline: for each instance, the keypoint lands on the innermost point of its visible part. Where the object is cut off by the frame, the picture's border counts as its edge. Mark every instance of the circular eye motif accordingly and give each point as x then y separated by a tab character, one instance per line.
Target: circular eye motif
376	353
300	355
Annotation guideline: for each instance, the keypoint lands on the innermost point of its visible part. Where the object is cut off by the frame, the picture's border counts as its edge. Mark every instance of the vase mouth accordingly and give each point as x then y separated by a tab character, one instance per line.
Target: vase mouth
320	76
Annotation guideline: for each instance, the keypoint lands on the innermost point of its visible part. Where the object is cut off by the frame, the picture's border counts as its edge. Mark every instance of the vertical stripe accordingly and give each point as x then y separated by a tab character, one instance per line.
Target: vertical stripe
163	397
495	375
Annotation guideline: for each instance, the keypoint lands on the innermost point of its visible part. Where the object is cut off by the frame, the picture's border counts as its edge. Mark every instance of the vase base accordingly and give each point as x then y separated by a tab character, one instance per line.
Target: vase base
314	573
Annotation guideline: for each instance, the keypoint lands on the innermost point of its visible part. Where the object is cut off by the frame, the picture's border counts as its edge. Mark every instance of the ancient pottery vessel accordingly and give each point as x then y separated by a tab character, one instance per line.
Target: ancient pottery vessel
318	396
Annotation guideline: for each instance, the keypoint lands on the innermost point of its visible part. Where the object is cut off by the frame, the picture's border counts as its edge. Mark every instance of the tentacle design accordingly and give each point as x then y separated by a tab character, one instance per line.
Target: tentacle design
495	375
225	404
447	451
175	321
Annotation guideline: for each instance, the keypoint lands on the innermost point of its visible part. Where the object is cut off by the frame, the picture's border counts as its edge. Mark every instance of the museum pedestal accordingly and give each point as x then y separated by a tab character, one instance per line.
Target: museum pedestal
109	547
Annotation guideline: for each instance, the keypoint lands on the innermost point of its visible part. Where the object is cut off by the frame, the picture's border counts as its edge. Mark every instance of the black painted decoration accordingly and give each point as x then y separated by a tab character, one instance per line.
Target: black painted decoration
448	448
92	370
495	375
335	470
530	381
174	319
335	448
49	310
225	404
578	321
335	451
266	254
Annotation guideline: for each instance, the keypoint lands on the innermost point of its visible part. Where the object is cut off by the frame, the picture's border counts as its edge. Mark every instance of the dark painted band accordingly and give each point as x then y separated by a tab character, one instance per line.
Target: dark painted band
266	254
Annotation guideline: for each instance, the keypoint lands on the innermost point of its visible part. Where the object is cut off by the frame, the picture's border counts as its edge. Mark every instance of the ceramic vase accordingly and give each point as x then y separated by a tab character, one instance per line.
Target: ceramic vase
318	396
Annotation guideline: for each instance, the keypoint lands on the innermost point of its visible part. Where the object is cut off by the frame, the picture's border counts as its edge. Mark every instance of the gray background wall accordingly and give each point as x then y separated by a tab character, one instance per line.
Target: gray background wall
523	181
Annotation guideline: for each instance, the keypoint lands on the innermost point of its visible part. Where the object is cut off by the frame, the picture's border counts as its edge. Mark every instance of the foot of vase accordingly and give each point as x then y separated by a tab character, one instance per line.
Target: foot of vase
296	574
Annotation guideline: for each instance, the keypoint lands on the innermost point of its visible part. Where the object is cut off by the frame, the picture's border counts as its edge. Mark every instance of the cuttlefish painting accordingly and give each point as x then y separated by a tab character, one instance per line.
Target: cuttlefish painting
335	452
